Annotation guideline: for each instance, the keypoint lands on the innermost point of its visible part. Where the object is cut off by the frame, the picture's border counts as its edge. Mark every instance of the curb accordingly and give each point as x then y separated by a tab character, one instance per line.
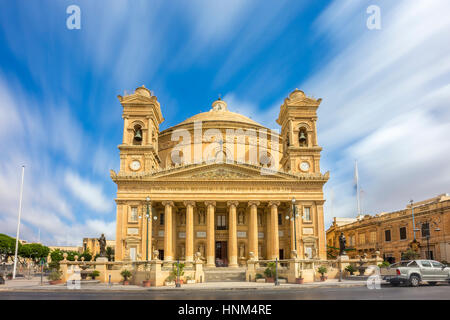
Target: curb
166	290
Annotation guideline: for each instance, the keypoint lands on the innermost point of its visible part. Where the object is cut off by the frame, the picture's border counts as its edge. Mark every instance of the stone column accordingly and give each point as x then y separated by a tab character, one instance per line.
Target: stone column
232	235
189	230
168	241
119	236
210	239
321	233
253	229
273	205
150	231
268	235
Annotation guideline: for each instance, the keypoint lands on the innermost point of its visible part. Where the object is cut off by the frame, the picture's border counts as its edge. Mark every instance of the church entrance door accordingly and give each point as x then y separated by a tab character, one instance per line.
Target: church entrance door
221	254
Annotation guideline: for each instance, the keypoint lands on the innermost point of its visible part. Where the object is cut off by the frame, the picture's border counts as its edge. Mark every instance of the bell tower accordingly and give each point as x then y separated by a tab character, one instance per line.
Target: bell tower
297	118
142	117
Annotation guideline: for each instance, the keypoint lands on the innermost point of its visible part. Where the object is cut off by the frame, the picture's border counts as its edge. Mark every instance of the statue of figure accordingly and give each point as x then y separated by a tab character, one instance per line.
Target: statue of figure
201	249
342	243
241	251
201	217
259	219
241	217
183	219
102	244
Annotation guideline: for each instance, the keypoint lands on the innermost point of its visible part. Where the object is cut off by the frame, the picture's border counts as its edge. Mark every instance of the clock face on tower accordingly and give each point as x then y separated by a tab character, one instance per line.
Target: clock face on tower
304	166
135	165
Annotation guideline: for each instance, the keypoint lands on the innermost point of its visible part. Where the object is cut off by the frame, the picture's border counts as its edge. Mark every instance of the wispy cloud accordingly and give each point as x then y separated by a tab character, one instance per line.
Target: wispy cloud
382	93
91	194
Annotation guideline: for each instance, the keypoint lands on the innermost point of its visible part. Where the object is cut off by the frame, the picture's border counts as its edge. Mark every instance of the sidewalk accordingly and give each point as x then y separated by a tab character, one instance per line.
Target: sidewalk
35	285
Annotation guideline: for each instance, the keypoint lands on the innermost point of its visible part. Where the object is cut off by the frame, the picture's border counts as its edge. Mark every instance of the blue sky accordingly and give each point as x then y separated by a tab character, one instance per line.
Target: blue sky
385	94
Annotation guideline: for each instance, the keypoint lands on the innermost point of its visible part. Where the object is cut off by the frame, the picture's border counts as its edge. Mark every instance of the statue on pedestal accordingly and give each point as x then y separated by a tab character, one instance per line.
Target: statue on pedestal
342	243
102	244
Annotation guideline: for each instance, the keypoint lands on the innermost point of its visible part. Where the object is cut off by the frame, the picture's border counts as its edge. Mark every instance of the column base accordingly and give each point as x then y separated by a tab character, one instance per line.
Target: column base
233	265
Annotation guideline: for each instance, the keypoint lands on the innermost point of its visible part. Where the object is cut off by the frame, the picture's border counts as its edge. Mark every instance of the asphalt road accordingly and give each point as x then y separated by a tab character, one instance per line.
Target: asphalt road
425	292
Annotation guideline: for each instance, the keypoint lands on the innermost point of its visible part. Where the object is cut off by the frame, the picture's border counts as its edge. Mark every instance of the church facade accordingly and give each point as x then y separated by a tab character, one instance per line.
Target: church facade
219	185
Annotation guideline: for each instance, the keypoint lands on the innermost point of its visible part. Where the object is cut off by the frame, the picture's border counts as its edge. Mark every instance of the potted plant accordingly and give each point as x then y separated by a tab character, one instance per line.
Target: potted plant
270	272
350	269
125	275
189	280
300	279
9	276
170	280
178	270
260	278
322	270
94	274
54	277
146	282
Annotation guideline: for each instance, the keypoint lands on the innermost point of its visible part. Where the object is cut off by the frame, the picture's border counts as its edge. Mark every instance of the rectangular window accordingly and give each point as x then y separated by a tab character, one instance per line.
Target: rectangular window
373	236
134	214
362	238
425	229
161	219
307	214
221	222
403	233
280	219
387	235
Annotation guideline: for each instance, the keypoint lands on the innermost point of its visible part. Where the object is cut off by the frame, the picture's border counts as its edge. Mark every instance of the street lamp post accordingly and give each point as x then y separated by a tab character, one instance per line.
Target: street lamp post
412	213
293	217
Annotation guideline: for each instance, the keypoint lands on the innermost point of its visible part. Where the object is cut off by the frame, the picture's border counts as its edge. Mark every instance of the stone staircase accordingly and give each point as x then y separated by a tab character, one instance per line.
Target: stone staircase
224	274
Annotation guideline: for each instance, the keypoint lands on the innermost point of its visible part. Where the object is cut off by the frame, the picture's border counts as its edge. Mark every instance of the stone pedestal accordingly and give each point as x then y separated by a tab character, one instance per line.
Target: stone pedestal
343	262
101	259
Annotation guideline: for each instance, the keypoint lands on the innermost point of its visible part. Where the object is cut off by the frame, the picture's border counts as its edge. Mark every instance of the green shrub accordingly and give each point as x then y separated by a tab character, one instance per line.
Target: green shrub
270	270
175	267
54	275
125	274
350	268
171	278
322	270
384	264
95	274
259	276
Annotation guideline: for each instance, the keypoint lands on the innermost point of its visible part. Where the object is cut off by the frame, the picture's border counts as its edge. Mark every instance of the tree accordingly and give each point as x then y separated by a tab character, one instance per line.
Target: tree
110	253
410	254
35	251
7	247
86	255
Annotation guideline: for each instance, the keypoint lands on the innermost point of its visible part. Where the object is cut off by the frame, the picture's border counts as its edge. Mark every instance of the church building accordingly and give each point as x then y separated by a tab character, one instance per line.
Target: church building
219	185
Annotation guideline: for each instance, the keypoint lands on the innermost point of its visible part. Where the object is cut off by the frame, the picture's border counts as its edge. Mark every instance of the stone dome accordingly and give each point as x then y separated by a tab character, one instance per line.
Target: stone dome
220	112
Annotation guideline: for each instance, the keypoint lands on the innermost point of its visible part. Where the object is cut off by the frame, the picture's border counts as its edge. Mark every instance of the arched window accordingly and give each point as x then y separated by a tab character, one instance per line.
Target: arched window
303	137
265	160
137	135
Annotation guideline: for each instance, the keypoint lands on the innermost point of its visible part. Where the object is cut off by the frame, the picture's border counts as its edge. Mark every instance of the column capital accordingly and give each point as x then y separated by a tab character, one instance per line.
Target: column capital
210	203
189	203
232	203
274	203
253	203
167	203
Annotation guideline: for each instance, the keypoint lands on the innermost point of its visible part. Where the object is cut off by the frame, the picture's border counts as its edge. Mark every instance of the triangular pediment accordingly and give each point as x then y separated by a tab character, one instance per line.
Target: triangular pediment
221	171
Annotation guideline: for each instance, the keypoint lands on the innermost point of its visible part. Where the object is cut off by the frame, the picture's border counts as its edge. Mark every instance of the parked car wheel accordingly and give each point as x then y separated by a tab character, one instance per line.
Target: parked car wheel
432	283
414	281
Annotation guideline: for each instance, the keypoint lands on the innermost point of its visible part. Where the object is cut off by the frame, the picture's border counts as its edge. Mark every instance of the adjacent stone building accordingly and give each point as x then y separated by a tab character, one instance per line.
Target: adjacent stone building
219	184
393	233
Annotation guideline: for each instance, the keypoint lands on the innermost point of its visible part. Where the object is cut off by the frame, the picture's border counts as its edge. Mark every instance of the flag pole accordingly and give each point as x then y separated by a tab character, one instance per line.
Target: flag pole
18	224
